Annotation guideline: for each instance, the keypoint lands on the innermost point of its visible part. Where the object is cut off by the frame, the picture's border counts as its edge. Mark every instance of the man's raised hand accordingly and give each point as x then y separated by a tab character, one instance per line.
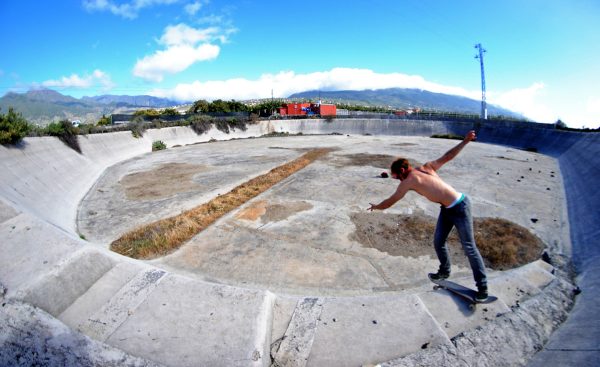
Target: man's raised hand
470	136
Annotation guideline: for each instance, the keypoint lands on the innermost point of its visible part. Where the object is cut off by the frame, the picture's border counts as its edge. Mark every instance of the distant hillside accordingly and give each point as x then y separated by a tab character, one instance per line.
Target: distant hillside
132	101
405	98
45	106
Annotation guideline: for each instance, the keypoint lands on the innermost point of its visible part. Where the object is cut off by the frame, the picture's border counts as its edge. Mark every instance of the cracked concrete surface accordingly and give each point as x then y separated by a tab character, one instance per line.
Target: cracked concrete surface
299	232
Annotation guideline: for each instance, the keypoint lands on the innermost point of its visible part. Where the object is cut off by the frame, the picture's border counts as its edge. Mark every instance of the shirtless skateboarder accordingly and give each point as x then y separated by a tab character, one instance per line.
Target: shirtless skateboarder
455	211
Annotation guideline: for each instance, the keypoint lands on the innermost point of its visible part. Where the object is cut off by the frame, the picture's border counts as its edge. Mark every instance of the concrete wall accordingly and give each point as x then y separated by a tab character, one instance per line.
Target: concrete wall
44	177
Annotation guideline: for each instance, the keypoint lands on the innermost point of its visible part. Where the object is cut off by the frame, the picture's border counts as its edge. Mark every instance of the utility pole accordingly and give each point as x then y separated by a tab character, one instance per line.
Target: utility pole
483	104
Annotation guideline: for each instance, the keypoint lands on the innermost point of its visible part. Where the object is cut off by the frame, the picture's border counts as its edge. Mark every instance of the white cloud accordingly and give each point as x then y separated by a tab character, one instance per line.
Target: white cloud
593	106
287	82
526	101
173	60
193	8
184	47
582	113
97	78
128	10
182	34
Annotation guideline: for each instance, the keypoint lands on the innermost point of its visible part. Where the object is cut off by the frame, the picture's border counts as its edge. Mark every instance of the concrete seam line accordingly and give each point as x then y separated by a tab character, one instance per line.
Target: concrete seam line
263	326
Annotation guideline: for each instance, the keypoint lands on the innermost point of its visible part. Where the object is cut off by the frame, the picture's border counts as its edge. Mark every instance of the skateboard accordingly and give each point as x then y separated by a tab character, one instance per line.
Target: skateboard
465	293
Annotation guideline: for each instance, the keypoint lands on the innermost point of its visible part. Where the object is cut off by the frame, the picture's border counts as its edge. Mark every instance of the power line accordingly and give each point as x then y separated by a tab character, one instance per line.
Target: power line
483	103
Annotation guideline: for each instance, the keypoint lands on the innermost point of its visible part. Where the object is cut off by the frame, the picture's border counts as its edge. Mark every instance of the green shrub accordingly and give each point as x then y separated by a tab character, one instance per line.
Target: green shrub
147	113
237	124
222	125
13	127
200	124
85	129
137	127
66	132
169	112
158	145
104	121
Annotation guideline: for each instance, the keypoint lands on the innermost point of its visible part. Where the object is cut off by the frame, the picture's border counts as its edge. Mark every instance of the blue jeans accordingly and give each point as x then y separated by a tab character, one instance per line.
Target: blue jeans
459	216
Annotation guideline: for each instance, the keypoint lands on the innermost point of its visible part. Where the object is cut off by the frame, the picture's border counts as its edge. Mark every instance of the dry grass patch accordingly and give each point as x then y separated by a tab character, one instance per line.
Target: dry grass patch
503	244
162	237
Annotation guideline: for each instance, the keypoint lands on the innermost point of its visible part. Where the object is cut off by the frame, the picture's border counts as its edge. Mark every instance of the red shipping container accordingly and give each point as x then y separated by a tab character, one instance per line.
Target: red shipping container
327	110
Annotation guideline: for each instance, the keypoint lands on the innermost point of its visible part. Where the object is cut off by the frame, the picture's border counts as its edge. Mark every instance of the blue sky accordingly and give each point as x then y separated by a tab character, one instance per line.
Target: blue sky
542	59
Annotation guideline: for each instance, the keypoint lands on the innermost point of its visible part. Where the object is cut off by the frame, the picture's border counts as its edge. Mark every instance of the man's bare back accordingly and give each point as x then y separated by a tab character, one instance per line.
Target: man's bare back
426	182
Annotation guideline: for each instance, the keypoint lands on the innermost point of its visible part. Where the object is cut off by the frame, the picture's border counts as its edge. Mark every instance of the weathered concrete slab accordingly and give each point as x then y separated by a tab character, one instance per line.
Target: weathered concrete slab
31	337
283	310
512	289
105	321
7	211
61	287
100	293
298	339
361	330
190	323
535	273
30	249
454	315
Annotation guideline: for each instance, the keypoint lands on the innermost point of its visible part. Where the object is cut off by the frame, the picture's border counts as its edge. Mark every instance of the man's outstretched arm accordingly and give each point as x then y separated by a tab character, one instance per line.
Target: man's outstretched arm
449	155
398	195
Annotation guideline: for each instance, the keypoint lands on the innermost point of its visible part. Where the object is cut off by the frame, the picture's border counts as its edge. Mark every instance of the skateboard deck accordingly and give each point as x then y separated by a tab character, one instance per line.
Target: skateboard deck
465	293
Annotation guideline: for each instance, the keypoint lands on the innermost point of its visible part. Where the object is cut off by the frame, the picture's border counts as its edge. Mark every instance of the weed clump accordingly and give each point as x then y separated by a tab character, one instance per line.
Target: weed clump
158	145
137	127
200	124
66	132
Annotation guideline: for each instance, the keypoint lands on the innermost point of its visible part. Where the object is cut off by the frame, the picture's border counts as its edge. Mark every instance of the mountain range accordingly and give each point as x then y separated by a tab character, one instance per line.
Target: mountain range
405	98
44	106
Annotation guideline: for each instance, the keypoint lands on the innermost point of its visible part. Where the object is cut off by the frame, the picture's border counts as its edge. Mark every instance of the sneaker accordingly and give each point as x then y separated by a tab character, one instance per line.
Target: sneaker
439	276
482	294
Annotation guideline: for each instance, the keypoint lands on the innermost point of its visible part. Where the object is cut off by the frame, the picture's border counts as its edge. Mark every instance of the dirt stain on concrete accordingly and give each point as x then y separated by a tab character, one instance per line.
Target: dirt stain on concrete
272	212
365	159
503	244
279	212
163	181
374	160
253	211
